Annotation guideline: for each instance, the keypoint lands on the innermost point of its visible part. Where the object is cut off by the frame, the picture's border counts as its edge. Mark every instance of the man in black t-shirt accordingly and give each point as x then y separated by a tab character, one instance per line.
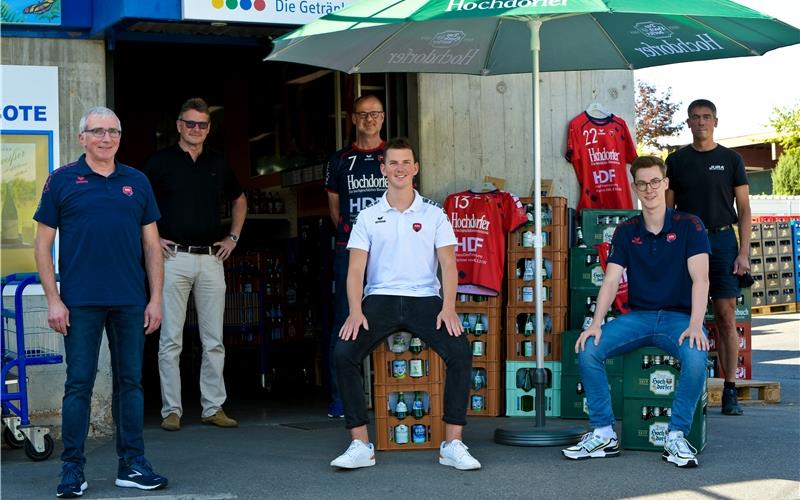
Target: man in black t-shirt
354	181
705	179
189	181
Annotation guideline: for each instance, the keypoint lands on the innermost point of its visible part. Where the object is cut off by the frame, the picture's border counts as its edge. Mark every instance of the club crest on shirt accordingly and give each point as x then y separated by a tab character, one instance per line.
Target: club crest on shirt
671	237
127	190
636	240
81	180
416	227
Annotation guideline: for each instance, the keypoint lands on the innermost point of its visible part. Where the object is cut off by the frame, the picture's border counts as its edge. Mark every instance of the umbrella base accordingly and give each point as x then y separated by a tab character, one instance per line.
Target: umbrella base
525	433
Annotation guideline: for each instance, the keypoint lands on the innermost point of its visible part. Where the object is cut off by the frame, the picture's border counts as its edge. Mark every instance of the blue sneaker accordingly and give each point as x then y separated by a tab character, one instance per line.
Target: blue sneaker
138	473
336	409
73	484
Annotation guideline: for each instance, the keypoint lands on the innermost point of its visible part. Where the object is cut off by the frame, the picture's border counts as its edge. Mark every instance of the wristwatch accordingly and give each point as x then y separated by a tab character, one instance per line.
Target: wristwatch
234	237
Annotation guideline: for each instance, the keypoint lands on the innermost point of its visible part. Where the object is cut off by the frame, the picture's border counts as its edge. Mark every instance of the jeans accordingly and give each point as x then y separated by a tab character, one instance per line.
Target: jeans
632	331
125	331
341	309
387	314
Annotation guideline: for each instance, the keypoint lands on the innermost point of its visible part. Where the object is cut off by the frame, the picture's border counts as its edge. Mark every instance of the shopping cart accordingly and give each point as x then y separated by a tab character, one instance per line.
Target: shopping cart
26	340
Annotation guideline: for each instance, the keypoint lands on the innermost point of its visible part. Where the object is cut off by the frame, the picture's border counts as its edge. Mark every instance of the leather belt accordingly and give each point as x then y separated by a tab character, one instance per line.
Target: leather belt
193	249
719	229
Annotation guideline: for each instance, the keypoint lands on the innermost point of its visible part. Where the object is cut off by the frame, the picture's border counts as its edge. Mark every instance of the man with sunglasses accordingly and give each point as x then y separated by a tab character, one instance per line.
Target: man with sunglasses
105	215
354	181
665	253
706	179
189	181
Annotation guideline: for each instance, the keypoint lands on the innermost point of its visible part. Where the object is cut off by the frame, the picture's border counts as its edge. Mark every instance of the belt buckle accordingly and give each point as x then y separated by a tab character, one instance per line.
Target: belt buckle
207	250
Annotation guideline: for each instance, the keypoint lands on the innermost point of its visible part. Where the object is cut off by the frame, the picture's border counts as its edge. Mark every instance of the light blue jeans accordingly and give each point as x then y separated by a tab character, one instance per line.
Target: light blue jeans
632	331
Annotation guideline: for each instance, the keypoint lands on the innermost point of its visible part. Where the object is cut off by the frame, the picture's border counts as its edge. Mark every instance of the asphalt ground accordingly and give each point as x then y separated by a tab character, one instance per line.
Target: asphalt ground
283	450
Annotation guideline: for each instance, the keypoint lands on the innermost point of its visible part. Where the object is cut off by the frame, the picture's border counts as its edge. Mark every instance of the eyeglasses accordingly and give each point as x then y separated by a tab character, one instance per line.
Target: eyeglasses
642	185
362	115
193	124
100	132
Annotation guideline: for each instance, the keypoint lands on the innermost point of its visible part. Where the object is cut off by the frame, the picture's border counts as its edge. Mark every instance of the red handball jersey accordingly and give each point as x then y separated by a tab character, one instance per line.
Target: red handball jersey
480	222
599	149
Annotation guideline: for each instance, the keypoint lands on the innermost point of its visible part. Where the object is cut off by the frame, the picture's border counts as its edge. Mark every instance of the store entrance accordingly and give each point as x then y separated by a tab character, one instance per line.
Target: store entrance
276	124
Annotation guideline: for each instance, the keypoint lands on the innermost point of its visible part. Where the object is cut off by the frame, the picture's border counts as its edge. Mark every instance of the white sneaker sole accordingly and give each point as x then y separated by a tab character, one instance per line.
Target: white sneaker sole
84	485
683	463
368	463
450	463
581	455
122	483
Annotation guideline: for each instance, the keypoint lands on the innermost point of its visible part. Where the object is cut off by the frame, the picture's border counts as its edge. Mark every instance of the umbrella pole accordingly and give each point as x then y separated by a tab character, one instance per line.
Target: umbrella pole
522	434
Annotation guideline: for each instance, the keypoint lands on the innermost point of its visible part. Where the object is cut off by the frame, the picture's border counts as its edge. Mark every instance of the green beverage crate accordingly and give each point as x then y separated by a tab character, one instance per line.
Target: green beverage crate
744	305
581	275
649	435
655	381
596	226
521	402
577	306
573	405
569	359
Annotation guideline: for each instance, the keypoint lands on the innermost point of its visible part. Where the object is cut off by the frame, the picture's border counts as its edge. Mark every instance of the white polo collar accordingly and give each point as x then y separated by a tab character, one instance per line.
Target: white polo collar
416	205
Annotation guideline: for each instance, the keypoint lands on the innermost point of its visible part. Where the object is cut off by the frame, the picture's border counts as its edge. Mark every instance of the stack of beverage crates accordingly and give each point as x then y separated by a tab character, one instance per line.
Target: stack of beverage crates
773	261
407	391
481	320
795	227
650	378
744	329
520	326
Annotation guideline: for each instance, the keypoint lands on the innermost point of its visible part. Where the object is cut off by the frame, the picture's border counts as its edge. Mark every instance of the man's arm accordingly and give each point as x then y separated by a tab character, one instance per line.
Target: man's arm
670	197
355	291
57	312
742	263
698	270
238	215
448	315
608	291
154	265
333	206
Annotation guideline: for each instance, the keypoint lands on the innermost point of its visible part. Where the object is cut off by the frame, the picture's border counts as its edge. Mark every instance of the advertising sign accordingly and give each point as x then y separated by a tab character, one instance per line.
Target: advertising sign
295	12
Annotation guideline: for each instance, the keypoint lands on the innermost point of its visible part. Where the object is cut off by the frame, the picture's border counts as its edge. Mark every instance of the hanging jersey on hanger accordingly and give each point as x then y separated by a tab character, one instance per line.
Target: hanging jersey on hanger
481	222
600	149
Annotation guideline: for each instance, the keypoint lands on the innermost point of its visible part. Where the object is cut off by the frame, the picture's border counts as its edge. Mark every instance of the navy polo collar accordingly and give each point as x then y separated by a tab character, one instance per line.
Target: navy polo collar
641	230
85	169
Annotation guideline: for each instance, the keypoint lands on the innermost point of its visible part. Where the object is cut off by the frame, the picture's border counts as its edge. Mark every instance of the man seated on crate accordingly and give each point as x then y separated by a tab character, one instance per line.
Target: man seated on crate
399	243
666	256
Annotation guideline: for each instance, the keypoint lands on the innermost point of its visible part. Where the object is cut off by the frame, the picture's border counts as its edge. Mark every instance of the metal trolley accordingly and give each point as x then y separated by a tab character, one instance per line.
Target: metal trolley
22	347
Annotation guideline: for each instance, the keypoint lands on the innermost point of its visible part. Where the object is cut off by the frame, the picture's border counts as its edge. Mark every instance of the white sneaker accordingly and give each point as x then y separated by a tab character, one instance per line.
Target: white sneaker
678	451
592	445
357	455
455	454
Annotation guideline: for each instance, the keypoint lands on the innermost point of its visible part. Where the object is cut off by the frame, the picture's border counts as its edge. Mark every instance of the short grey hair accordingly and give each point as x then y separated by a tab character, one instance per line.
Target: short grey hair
96	111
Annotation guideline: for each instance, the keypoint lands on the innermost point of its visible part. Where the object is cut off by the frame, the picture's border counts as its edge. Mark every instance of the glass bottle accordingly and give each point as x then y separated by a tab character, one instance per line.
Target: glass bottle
529	326
479	328
417	407
400	409
580	243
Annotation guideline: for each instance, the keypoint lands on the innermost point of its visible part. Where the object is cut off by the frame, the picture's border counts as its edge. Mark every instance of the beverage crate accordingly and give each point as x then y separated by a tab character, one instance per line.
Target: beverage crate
598	225
770	247
580	310
769	231
585	270
522	267
523	404
785	263
520	348
770	265
783	229
386	432
787	279
755	232
756	265
744	304
554	238
389	372
772	280
647	373
773	297
759	299
522	293
472	302
485	389
485	347
573	396
759	284
744	330
785	246
788	295
515	378
744	366
554	318
387	396
569	358
554	210
650	432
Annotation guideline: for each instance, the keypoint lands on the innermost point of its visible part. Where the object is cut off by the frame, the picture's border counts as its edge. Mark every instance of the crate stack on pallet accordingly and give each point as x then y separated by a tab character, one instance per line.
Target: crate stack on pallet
408	395
650	377
481	319
795	266
772	265
520	322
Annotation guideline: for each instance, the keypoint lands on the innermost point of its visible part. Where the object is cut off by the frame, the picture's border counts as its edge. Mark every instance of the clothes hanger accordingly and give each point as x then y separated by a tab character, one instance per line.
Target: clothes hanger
597	110
483	187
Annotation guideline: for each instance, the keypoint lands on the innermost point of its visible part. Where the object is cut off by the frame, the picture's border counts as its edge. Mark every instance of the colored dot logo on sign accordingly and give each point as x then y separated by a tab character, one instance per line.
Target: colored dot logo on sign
245	4
217	4
260	5
232	4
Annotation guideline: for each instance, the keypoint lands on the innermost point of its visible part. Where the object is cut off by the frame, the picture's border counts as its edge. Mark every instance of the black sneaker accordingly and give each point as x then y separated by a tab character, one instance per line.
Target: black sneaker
730	402
138	473
73	484
592	445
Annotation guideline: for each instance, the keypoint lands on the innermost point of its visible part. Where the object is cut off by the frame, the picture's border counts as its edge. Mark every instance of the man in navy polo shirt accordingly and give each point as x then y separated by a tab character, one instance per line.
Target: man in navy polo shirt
666	255
105	213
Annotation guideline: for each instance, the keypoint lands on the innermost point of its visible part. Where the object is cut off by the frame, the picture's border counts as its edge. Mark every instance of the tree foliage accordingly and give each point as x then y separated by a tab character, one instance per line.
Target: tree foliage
786	123
654	116
786	175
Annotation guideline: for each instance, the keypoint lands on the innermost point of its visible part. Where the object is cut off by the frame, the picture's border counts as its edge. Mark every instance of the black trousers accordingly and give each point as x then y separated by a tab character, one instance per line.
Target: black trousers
387	314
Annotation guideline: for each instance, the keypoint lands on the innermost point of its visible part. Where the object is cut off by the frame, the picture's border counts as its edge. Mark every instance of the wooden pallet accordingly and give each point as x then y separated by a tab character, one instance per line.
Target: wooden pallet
748	391
775	309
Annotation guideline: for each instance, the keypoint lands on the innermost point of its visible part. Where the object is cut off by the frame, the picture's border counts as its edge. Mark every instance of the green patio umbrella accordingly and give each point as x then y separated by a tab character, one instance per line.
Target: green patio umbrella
493	37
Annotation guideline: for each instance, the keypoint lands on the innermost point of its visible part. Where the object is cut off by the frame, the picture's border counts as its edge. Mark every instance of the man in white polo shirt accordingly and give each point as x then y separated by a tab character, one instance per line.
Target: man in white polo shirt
399	243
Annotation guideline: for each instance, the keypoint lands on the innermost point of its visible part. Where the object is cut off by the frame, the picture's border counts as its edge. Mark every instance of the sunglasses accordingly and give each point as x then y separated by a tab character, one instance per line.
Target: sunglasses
193	124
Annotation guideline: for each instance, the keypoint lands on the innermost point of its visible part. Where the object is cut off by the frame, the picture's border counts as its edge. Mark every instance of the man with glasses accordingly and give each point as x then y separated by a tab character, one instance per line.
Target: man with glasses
353	181
666	256
189	181
706	179
105	214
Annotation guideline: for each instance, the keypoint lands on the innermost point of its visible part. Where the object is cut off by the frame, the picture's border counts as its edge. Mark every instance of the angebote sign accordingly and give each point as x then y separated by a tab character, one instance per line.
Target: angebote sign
296	12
